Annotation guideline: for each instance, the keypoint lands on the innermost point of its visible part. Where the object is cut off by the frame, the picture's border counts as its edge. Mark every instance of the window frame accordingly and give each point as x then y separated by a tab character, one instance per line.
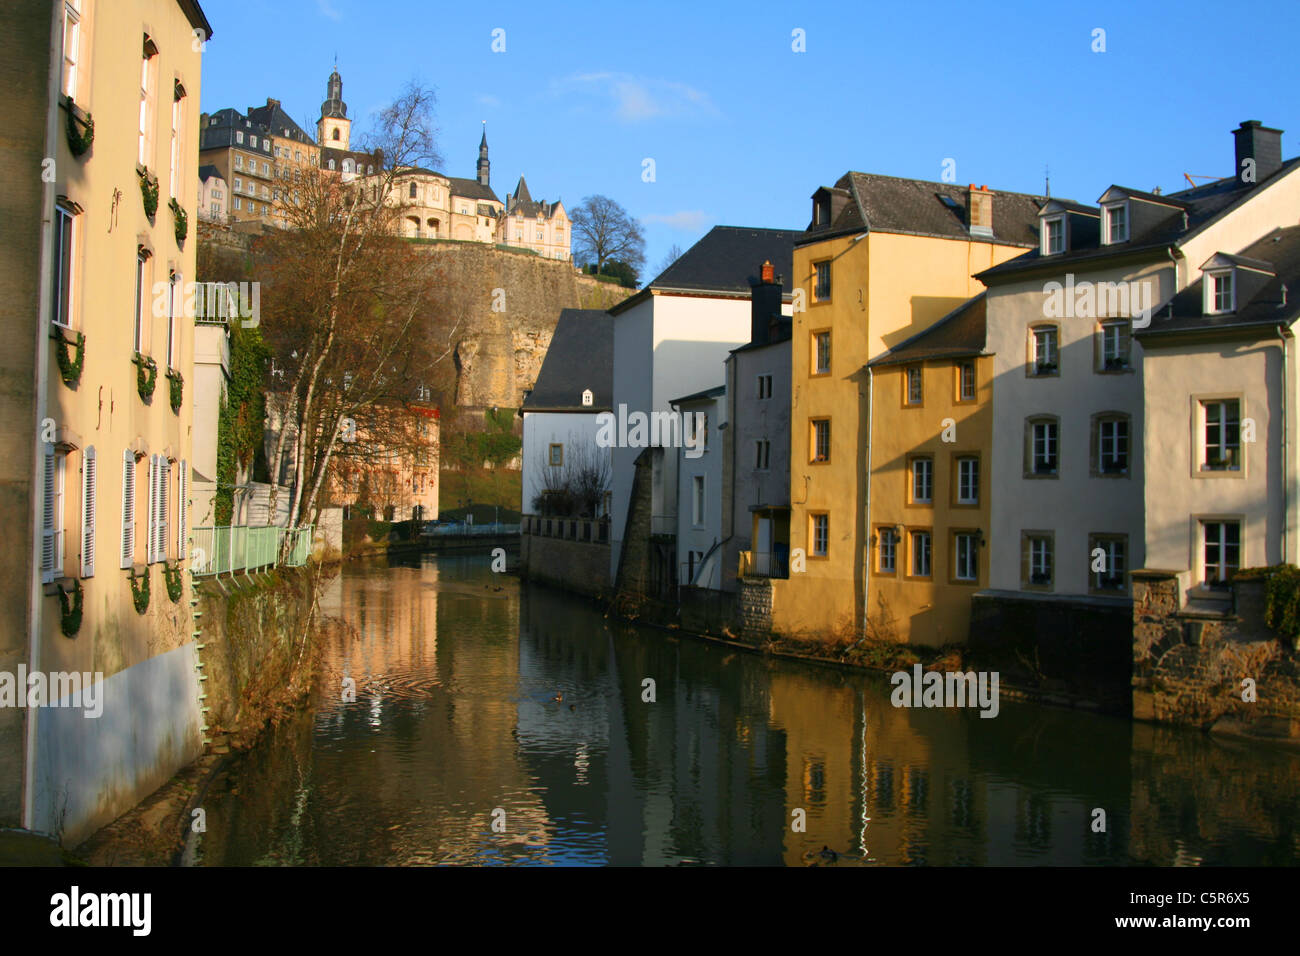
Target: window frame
1099	539
959	368
1211	297
960	458
887	533
956	535
1027	539
913	475
1034	368
817	370
813	457
915	372
65	268
551	455
913	553
1121	207
817	286
1045	233
1202	543
813	552
1124	360
1200	444
1097	423
1030	451
699	503
70	69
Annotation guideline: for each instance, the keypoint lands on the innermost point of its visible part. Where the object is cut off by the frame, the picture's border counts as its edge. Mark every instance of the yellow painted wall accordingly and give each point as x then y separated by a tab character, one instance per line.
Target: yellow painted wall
884	289
915	610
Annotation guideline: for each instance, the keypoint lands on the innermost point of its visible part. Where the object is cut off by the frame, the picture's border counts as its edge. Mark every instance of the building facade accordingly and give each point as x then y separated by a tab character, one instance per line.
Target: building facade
539	225
98	458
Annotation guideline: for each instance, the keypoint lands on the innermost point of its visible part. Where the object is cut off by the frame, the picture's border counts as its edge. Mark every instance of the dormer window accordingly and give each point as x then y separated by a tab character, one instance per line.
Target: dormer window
821	212
1053	235
1220	297
1116	218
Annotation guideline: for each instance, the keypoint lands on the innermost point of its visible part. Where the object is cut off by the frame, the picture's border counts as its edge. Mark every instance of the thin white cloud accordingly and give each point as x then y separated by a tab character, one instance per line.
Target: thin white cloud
635	99
487	99
689	220
328	9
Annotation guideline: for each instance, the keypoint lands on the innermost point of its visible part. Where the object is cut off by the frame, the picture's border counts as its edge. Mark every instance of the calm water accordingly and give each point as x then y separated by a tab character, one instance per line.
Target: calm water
454	719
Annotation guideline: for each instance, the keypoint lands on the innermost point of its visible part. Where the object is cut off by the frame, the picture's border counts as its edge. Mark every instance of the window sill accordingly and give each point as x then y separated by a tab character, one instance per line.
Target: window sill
52	588
1033	374
1041	475
1111	474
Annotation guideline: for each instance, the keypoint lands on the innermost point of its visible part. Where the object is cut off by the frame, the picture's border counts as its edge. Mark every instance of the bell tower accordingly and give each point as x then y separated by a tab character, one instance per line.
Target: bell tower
334	129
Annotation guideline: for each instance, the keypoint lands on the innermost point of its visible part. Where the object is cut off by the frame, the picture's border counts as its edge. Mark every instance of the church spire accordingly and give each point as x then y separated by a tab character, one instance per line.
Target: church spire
484	167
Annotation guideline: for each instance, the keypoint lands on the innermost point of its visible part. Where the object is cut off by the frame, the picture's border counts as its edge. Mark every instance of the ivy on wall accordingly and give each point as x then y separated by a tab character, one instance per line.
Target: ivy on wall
241	417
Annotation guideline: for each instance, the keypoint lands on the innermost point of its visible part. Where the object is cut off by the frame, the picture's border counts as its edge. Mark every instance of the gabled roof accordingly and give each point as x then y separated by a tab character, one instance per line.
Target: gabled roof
1266	305
700	396
279	123
922	208
959	333
208	171
1190	212
580	356
471	189
727	260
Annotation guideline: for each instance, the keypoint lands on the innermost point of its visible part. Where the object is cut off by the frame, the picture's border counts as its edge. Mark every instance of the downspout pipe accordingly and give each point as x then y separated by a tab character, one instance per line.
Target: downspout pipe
1286	498
866	558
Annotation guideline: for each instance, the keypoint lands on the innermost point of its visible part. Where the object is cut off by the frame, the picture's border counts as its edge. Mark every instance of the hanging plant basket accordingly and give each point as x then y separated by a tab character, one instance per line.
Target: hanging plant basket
182	221
172	578
176	383
70	362
81	129
148	191
140	594
146	375
71	620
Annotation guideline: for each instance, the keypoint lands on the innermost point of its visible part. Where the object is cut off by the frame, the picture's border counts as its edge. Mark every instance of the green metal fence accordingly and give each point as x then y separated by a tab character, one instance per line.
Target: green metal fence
226	550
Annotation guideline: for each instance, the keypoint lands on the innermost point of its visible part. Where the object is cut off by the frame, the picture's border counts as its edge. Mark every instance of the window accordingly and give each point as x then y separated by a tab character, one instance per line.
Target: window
142	285
557	455
1117	223
821	353
886	550
239	183
1107	562
1221	551
697	500
61	307
922	481
1220	287
1111	449
266	169
412	191
1222	435
822	290
1114	346
965	381
128	509
1038	559
146	101
913	382
182	509
762	454
1053	236
821	435
968	481
252	208
764	386
1044	355
174	290
252	141
159	478
1042	447
89	475
965	556
238	202
920	554
71	45
821	534
52	516
178	125
239	138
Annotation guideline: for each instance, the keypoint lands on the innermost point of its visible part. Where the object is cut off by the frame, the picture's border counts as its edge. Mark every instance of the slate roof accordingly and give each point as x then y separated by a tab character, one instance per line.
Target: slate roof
1202	206
279	123
728	259
1280	250
580	356
917	207
699	396
208	171
523	204
470	189
960	332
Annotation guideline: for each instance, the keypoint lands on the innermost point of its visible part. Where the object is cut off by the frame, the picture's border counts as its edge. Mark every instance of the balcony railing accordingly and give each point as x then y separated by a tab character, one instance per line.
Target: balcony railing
226	550
765	564
593	530
459	529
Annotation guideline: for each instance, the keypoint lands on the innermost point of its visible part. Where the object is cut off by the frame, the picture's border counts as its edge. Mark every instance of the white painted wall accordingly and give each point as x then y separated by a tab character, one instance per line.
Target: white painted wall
541	430
708	465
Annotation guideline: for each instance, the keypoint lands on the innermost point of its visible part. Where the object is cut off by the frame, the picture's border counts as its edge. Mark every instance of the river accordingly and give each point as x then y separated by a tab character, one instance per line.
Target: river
457	750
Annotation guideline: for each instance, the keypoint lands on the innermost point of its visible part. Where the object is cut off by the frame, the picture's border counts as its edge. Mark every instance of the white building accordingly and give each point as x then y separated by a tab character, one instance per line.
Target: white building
670	339
700	489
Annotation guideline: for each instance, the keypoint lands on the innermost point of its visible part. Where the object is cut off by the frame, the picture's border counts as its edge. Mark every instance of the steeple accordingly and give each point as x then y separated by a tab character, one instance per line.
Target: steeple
484	167
334	105
334	129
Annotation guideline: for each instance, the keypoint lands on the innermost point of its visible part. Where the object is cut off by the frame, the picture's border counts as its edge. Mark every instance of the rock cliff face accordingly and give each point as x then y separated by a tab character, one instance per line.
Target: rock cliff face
509	303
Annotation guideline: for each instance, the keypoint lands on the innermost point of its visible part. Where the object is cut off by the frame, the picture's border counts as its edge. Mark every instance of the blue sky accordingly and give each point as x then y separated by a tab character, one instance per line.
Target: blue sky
742	129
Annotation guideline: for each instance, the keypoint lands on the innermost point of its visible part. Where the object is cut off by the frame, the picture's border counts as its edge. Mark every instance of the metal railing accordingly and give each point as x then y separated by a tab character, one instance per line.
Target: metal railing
765	564
460	529
226	550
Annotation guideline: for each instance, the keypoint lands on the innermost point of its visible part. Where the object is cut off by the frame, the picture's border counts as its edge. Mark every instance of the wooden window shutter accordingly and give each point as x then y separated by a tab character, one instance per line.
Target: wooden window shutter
128	509
151	527
182	510
48	543
164	505
88	493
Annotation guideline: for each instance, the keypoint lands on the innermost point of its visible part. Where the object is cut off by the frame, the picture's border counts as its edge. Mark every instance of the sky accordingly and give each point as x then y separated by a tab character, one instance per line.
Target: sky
742	128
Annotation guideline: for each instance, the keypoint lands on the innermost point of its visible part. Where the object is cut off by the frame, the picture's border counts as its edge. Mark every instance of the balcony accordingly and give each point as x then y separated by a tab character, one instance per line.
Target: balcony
587	530
764	564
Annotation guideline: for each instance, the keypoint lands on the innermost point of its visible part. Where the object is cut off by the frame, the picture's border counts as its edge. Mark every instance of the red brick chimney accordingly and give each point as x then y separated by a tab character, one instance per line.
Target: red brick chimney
769	272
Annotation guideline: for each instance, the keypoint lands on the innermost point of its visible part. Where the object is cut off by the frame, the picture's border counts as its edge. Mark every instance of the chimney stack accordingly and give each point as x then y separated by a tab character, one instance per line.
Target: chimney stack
979	202
1259	143
765	303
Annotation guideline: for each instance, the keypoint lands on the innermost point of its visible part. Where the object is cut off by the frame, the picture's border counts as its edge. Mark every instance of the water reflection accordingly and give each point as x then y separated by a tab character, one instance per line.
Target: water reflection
476	698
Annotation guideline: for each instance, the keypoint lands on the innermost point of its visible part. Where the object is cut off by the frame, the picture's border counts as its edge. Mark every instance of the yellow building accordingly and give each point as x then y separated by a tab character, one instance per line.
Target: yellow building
98	438
931	428
538	225
882	260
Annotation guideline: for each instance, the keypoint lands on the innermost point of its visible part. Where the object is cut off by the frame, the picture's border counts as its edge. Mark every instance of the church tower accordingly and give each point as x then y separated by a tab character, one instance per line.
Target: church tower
484	167
334	129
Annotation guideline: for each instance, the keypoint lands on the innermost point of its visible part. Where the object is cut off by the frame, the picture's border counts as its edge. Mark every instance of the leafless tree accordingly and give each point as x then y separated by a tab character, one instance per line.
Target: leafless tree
604	231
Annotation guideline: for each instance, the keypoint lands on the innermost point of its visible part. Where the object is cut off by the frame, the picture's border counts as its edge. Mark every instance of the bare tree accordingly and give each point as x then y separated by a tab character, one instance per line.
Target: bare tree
604	231
577	486
674	253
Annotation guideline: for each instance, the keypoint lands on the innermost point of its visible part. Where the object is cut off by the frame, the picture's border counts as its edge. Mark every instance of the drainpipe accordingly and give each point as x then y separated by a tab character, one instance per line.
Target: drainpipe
35	592
1286	498
866	560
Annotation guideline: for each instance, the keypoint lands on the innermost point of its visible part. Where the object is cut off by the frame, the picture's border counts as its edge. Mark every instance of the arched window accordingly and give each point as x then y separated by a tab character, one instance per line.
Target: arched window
331	164
413	190
347	165
336	133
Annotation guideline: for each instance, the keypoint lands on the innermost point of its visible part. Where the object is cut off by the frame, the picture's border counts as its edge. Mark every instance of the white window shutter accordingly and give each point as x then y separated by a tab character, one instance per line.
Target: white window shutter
164	505
88	492
128	509
48	542
153	508
182	510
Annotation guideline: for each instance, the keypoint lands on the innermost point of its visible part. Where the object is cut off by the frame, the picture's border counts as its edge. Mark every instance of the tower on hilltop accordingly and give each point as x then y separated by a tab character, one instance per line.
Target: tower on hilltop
334	129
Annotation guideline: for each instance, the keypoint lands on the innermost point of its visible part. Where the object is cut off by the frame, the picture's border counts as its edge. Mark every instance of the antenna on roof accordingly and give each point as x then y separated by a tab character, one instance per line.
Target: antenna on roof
1047	176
